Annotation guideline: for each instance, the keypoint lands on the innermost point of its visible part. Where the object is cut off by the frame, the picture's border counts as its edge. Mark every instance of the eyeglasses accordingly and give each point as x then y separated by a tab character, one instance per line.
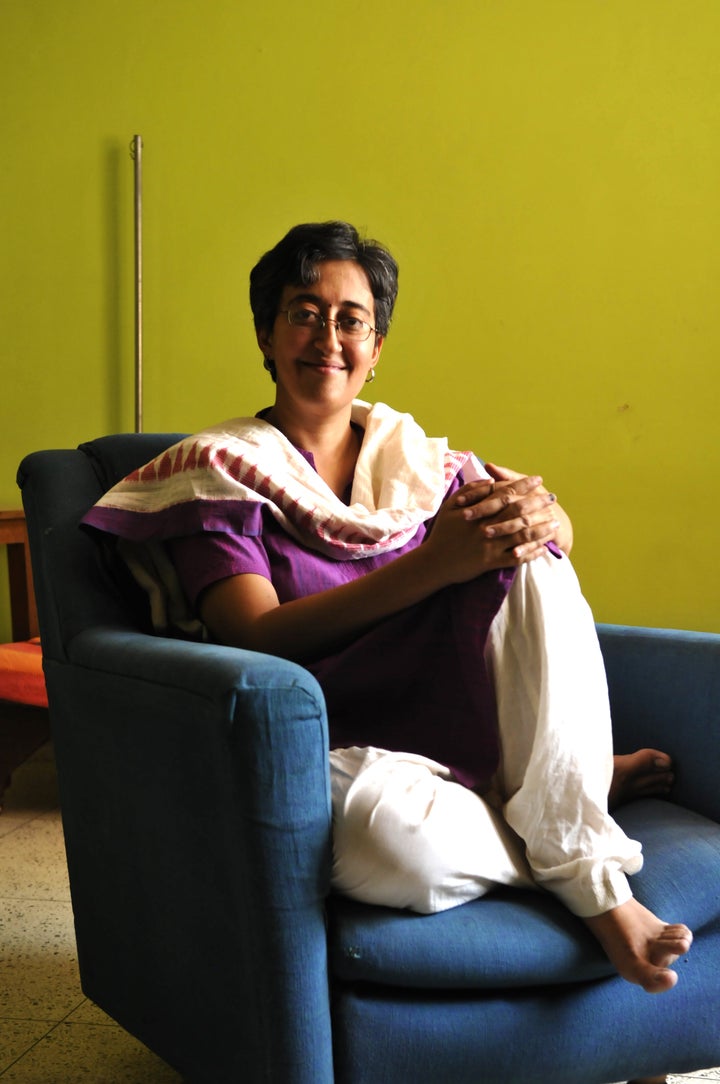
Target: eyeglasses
346	327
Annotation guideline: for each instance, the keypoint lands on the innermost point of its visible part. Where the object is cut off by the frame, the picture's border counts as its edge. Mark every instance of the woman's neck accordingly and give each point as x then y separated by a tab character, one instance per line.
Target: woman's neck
322	434
333	442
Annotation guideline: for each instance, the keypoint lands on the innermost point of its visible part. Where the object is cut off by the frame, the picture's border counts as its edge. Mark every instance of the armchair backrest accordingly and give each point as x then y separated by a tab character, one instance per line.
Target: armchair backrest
79	583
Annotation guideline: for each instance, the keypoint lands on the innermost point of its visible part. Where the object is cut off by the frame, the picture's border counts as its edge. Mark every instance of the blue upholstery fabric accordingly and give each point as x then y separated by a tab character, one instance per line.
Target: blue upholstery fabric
195	796
511	938
665	692
587	1033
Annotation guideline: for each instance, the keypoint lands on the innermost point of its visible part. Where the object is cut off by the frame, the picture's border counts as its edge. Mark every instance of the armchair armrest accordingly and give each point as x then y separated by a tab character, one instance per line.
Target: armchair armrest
195	792
665	693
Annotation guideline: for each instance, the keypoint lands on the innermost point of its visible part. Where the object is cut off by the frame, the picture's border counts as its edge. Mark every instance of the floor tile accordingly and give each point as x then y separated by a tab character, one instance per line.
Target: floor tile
703	1074
39	977
711	1075
89	1013
32	792
99	1054
32	861
19	1036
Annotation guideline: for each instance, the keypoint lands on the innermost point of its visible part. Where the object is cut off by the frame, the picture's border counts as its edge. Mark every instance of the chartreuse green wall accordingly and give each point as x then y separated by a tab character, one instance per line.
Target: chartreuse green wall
546	171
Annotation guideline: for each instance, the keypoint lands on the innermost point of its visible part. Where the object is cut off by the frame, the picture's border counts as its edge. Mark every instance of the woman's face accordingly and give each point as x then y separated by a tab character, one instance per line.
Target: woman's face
318	370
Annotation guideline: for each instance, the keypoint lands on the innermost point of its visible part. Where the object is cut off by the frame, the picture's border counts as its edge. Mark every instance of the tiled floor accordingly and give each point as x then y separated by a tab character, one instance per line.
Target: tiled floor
49	1032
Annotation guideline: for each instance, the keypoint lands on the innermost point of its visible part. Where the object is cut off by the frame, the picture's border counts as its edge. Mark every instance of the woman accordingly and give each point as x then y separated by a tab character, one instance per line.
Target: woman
433	599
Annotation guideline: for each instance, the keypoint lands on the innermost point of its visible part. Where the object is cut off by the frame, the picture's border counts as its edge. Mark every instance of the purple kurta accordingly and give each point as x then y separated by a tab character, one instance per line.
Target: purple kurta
416	682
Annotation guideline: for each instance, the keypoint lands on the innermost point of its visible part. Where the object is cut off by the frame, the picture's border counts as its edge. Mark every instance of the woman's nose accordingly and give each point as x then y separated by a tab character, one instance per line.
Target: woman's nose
328	334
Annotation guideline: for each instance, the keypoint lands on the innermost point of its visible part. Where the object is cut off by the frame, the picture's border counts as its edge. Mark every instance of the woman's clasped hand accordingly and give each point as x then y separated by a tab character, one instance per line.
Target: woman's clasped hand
489	525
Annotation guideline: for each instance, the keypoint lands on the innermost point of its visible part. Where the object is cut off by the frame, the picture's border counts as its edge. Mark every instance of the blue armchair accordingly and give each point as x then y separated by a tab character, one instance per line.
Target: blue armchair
194	789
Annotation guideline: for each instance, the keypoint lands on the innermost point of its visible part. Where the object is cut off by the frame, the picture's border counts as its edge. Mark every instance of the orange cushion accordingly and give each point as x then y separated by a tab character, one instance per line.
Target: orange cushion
21	673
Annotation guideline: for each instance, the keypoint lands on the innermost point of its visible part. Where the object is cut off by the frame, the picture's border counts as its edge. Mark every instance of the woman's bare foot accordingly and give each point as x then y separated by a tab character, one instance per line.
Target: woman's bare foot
640	945
646	773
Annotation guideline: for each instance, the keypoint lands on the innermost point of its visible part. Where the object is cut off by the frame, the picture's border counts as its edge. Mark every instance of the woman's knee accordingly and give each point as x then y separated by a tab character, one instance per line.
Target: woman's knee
381	853
393	837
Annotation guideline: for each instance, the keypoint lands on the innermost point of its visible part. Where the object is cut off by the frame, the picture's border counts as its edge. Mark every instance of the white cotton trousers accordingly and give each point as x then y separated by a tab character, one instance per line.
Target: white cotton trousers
406	835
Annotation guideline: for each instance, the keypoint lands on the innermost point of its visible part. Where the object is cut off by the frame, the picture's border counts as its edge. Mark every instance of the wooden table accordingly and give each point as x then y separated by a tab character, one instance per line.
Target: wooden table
23	727
13	534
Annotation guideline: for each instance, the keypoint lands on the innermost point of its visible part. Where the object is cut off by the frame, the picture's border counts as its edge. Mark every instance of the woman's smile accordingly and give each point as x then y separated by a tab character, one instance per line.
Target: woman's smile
325	366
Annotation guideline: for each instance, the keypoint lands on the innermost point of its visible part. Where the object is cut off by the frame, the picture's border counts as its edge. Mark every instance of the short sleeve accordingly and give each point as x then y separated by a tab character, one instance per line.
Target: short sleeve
202	559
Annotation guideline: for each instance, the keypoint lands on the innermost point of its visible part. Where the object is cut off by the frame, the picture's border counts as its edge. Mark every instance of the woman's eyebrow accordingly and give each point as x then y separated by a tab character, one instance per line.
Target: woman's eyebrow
319	301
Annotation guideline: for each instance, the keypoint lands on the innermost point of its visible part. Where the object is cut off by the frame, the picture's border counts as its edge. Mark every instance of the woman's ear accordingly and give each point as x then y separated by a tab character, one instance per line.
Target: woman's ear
379	340
264	339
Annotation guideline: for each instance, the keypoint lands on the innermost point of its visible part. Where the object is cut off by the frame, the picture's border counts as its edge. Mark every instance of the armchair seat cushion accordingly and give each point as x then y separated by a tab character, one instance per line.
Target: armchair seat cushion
513	938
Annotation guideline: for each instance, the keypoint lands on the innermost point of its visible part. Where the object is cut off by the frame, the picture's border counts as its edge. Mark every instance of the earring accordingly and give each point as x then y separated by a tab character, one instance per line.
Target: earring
370	377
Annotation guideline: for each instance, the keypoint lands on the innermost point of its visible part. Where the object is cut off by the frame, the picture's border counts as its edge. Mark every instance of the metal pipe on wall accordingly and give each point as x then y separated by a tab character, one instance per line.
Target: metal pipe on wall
136	154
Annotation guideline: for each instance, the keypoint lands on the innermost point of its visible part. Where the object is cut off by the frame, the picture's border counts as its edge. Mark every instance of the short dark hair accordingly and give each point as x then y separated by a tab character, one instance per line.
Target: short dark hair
294	262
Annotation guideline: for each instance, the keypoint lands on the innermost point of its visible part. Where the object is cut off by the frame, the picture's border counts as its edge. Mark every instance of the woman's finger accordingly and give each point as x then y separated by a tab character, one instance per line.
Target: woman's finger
494	499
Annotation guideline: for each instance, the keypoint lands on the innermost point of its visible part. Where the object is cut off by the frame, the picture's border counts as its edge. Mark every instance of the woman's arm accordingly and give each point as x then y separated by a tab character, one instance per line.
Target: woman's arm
244	610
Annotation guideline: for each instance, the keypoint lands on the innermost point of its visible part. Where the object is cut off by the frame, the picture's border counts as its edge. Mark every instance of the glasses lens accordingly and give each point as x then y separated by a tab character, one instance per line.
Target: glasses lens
352	328
302	316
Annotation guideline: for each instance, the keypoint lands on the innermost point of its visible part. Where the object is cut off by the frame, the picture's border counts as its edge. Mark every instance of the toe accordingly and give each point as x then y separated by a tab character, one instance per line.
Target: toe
659	982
